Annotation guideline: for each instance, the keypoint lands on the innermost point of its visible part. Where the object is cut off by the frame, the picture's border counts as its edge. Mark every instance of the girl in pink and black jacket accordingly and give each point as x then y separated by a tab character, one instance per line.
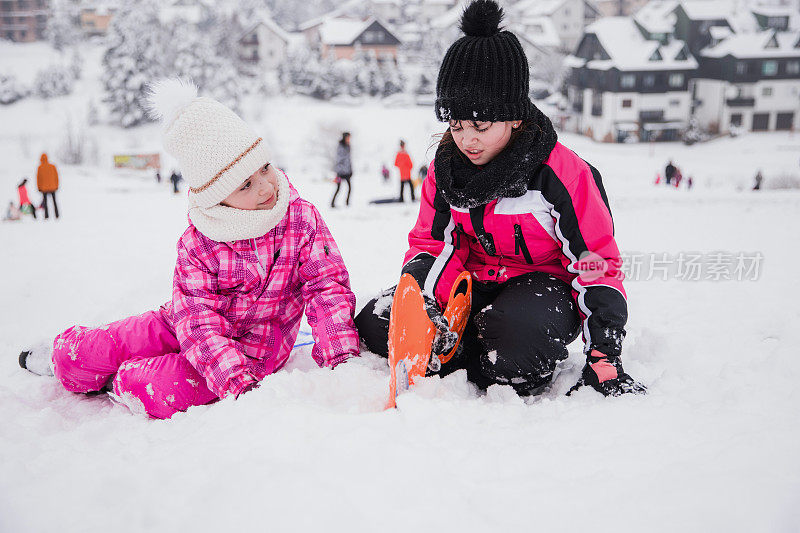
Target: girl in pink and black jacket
254	258
529	219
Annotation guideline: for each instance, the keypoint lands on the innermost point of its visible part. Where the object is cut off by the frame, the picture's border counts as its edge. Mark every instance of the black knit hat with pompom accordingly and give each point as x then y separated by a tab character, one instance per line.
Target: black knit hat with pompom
484	75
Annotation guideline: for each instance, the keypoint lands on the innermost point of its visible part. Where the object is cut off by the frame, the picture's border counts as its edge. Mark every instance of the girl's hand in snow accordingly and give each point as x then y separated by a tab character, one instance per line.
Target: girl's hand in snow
605	374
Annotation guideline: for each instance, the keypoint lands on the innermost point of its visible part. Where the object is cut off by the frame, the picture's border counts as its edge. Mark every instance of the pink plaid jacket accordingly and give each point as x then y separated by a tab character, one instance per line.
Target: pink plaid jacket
236	307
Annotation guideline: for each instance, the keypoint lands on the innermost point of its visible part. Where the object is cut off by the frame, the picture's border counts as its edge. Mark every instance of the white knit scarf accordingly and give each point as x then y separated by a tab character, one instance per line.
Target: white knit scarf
225	224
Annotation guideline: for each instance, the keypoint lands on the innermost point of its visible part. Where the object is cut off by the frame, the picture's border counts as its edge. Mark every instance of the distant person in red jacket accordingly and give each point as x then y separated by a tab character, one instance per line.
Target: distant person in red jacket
25	204
403	163
47	182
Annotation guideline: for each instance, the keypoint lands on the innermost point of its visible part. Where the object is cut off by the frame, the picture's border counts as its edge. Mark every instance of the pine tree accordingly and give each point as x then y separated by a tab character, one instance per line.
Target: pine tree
62	24
133	59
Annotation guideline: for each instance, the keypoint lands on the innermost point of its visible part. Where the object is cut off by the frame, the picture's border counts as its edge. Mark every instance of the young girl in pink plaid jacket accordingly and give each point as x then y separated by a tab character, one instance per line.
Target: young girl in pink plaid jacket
255	257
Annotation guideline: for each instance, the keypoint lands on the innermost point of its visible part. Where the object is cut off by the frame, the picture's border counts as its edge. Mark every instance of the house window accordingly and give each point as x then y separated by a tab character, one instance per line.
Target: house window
627	102
741	68
784	121
769	68
676	80
793	67
627	81
766	91
597	104
649	80
736	119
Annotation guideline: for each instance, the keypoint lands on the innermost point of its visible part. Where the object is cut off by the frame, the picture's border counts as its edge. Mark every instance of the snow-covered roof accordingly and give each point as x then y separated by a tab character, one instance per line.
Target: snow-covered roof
263	18
339	11
708	9
657	16
451	17
629	50
763	44
540	31
532	8
190	13
773	11
720	32
342	30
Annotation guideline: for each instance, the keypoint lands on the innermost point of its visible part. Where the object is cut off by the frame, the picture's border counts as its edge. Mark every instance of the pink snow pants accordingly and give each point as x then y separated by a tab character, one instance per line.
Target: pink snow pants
140	356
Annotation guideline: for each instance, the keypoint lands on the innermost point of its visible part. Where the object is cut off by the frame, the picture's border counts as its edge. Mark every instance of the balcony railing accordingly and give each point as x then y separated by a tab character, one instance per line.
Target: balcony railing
654	115
740	102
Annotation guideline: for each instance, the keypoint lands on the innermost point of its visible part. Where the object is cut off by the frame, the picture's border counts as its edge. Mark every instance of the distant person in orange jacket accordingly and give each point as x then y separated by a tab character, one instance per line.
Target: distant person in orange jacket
25	205
47	181
403	163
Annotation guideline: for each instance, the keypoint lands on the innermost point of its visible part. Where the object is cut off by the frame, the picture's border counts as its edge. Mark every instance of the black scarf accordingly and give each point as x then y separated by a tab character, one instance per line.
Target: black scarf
466	185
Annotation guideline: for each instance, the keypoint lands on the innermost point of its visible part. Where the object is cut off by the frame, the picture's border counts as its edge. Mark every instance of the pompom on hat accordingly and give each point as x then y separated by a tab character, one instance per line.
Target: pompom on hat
216	150
484	75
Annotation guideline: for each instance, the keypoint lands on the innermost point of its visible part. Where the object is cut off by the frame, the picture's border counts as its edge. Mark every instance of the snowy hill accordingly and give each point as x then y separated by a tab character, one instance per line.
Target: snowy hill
711	448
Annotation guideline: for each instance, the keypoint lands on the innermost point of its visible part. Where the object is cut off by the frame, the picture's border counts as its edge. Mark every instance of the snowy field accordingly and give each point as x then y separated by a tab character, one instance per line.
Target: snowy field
713	447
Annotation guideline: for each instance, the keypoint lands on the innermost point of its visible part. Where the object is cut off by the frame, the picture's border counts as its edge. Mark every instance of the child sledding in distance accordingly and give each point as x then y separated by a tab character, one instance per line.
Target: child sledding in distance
254	258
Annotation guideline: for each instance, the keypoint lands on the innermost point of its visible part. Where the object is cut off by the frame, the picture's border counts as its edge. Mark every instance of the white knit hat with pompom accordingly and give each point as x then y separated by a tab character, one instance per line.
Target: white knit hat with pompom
215	148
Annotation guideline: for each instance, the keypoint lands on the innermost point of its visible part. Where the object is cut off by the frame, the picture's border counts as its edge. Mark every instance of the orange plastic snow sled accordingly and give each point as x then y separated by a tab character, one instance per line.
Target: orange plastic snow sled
411	332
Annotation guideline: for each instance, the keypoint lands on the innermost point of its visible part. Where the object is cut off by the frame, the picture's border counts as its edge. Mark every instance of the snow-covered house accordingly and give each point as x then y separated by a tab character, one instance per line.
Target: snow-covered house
542	45
264	43
341	37
389	10
622	85
749	80
23	20
568	17
656	20
431	9
96	19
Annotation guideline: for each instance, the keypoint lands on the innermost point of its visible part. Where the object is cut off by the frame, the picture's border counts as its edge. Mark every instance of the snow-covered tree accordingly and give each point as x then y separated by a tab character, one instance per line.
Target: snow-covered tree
425	85
10	90
92	113
76	63
195	57
133	59
393	79
55	80
62	25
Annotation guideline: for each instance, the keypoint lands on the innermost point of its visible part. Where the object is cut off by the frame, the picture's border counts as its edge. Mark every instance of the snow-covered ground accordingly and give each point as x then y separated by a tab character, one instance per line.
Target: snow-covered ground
713	447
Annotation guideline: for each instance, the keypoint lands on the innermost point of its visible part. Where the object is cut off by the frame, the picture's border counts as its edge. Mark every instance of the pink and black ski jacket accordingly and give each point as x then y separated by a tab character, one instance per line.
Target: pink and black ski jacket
563	217
236	307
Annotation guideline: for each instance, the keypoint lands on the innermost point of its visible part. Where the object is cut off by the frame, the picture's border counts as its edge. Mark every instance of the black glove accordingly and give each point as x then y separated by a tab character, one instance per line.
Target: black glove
605	374
445	340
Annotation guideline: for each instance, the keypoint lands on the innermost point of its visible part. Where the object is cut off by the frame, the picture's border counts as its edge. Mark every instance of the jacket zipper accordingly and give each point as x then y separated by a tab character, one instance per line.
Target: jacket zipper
520	244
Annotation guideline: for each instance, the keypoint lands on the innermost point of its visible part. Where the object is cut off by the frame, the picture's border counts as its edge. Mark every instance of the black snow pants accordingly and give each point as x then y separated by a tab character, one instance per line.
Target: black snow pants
44	203
346	178
516	334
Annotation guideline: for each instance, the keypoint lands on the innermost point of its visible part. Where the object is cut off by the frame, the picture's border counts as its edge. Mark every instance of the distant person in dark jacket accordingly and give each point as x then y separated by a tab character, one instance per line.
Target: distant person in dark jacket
47	182
343	167
758	179
669	172
175	178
